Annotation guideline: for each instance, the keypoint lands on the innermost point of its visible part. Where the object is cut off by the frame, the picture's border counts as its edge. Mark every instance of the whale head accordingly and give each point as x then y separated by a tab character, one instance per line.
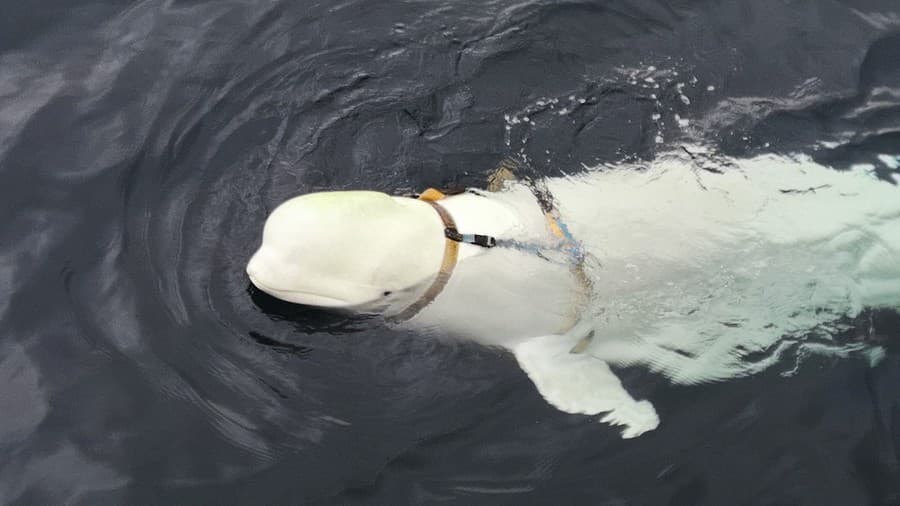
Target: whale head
360	251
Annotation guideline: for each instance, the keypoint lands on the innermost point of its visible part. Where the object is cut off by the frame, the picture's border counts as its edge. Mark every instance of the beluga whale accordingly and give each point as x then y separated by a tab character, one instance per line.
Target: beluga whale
693	266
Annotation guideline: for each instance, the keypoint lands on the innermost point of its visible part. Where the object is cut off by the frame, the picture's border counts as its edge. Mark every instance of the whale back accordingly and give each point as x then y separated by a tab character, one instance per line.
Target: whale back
706	275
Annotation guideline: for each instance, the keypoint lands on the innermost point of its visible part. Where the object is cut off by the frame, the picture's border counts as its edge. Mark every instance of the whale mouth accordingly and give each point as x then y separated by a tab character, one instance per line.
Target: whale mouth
300	296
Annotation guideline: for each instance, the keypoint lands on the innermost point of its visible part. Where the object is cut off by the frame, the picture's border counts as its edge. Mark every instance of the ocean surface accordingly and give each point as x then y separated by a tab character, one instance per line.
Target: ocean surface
142	145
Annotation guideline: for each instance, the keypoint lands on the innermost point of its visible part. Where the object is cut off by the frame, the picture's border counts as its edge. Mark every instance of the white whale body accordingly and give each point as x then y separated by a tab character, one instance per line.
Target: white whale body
701	275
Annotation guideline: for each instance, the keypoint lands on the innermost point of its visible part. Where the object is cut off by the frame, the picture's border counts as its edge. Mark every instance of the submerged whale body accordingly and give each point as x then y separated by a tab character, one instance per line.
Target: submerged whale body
701	275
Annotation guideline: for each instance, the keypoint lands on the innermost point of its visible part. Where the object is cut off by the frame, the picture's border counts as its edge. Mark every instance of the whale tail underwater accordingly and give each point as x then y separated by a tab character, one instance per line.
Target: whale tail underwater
698	271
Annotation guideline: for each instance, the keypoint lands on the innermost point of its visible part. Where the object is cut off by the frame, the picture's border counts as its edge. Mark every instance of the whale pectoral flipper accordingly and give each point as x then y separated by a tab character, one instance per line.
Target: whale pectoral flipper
579	383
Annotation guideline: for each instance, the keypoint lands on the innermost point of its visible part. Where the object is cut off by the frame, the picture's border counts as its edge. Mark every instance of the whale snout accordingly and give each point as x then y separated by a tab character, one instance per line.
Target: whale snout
267	276
259	273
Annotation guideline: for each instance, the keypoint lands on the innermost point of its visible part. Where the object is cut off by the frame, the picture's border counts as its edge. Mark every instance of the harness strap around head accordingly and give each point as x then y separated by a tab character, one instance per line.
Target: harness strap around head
451	254
454	238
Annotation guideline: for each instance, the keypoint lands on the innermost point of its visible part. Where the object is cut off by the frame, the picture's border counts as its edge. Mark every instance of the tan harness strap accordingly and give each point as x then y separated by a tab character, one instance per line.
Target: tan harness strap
451	253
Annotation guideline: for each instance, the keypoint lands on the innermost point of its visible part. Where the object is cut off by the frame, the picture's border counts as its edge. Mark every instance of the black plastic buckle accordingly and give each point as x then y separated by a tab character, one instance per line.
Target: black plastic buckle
485	241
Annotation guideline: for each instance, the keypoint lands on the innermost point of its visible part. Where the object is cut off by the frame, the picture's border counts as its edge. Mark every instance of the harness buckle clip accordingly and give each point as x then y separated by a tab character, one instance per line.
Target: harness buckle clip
485	241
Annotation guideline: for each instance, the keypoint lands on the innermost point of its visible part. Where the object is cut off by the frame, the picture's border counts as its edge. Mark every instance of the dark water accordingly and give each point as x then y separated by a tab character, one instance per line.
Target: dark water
142	144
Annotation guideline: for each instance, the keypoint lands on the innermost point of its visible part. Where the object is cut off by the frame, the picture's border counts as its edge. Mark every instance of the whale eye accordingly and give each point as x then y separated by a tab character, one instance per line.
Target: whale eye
387	293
